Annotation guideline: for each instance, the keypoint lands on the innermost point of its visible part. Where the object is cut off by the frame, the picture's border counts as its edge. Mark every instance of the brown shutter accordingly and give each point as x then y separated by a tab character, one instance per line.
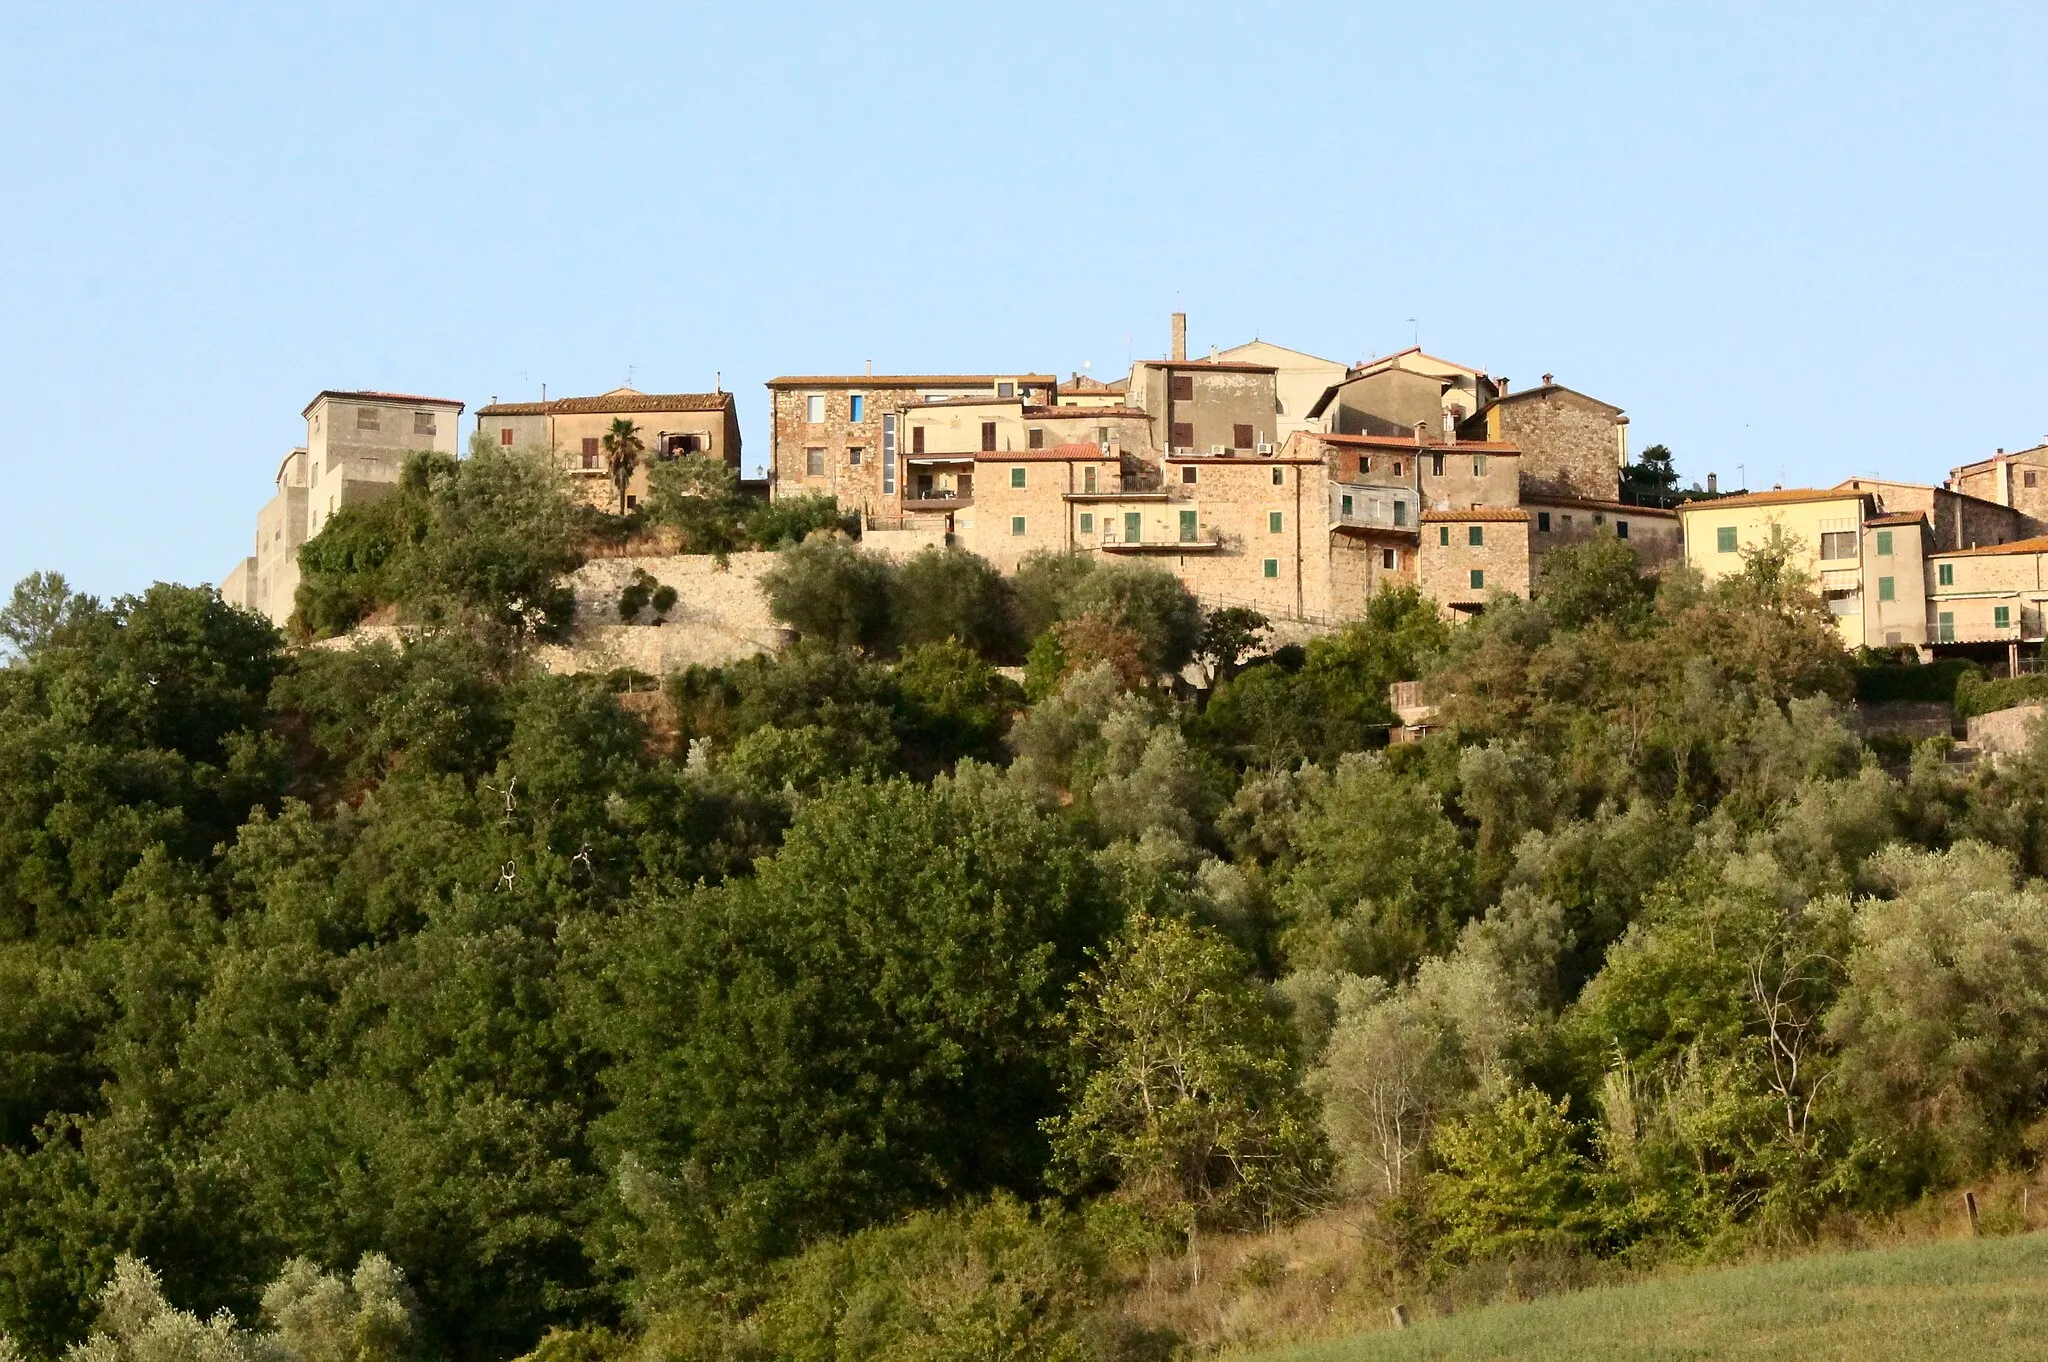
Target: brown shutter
917	439
1183	435
988	437
1183	387
1037	440
1241	437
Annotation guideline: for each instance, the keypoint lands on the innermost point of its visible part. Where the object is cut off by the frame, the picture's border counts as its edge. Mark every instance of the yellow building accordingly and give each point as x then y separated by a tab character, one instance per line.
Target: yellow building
1825	529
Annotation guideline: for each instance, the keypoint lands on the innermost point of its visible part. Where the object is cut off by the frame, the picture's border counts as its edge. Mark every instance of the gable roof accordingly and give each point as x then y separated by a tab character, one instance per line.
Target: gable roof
1898	518
907	380
1476	513
617	400
2039	544
1269	345
1363	365
1539	390
1783	496
403	399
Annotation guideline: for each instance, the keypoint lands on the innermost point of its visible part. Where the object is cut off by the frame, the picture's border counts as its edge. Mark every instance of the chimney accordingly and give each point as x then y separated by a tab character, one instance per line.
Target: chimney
1713	484
1546	380
1451	426
1212	354
718	380
1421	433
1501	386
1180	336
871	368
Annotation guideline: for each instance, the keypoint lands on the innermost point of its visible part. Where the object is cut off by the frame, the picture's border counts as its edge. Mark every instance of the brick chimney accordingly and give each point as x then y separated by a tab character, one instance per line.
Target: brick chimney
1547	378
1421	434
1500	385
1180	336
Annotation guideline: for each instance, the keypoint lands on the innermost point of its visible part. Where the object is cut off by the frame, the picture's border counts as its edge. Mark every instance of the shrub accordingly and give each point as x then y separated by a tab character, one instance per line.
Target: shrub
827	589
1979	694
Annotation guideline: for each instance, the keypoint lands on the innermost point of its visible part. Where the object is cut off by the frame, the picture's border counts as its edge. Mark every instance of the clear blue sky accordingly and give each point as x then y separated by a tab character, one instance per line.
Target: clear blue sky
1804	242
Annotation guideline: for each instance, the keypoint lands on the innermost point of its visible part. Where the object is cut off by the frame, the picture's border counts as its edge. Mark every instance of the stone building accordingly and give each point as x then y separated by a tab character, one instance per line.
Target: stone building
1955	520
2019	480
1299	382
1985	602
671	425
1393	394
1572	444
1565	522
1469	554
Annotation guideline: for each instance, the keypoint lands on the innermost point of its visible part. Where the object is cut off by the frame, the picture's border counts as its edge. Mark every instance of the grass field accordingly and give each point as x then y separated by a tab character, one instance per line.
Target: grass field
1983	1300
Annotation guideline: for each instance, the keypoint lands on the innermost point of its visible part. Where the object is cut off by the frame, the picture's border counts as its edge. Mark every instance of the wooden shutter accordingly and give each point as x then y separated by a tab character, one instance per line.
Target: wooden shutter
1183	387
1037	438
1183	435
988	437
917	439
1240	437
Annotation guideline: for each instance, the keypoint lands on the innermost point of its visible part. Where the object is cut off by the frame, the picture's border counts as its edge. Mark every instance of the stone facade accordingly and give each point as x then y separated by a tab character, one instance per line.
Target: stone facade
357	442
1563	522
671	425
1209	406
1572	445
1469	555
2018	480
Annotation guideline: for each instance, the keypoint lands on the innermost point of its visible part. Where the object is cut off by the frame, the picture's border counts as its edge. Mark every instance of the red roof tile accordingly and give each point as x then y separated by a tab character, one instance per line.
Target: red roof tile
907	380
1476	513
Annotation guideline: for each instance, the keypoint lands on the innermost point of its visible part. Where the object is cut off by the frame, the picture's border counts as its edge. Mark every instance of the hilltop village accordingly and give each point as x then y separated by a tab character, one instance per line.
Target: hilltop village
1262	477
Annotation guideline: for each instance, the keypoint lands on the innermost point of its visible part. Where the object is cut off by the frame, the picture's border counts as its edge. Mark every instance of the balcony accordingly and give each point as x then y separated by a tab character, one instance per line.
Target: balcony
1113	541
1372	509
936	499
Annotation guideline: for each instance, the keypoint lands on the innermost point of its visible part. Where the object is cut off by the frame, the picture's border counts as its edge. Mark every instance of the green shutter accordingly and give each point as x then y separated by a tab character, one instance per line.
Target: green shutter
1885	590
1134	526
1443	534
1087	522
1272	522
1884	543
1947	574
1016	477
2001	617
1016	524
1478	579
1724	539
1475	535
1187	527
1272	567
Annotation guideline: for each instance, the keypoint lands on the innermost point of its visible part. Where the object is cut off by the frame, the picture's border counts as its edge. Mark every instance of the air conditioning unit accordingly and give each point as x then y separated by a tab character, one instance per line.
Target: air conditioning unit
1266	448
1217	451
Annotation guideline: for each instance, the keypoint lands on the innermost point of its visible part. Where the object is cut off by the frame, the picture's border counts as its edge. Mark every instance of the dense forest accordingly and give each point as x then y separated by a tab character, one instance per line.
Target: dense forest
899	994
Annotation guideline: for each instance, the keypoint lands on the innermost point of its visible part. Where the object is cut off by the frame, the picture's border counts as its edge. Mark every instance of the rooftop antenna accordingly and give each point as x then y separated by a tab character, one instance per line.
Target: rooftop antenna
718	380
543	390
1414	333
629	375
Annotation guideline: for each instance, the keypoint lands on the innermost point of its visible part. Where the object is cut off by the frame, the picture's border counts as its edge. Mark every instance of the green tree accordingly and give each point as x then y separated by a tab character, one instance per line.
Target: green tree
622	450
1510	1180
943	593
1650	480
38	607
828	590
1599	581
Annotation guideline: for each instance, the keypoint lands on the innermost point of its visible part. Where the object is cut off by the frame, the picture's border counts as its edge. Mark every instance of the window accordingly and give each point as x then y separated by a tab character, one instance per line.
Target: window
814	408
590	451
1478	465
366	418
1475	535
1087	522
1272	567
1397	468
814	463
1016	477
1088	478
1006	389
1564	520
988	437
1947	574
1945	627
423	423
888	456
1183	435
1016	524
1443	536
1621	529
917	439
1188	527
631	502
1400	512
1390	559
1436	465
1272	522
1134	527
1347	504
1838	544
1035	438
2027	478
1884	543
853	456
2001	617
1886	590
1279	477
1364	464
1240	437
1183	388
505	435
1724	539
1188	474
1478	579
1543	522
1599	519
856	407
1102	436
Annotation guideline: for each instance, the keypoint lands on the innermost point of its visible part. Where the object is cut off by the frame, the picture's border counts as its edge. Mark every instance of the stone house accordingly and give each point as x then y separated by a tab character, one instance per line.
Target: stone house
1208	406
1299	382
1563	522
1572	444
1391	395
1955	520
1470	553
1985	602
2018	480
671	425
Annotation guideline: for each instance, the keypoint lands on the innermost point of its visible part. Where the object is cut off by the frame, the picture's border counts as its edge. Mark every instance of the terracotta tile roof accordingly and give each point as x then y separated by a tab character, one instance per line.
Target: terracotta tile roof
1898	518
1088	383
1538	391
409	399
1476	513
1077	413
907	380
1217	365
957	402
1242	459
1081	452
2035	545
1596	504
1784	496
1363	365
618	400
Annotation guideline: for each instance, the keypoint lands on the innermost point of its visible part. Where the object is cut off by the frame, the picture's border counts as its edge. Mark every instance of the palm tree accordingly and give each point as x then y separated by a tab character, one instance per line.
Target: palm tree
622	448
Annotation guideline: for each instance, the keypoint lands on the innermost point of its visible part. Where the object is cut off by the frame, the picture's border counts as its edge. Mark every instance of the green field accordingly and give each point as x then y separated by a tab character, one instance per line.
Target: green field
1981	1301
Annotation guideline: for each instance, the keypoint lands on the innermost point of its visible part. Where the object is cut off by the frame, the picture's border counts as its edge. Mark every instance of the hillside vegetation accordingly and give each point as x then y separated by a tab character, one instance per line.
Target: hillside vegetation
414	1003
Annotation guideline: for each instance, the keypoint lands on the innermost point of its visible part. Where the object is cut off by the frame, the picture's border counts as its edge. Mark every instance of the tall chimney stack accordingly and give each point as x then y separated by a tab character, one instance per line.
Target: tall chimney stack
1180	336
1713	484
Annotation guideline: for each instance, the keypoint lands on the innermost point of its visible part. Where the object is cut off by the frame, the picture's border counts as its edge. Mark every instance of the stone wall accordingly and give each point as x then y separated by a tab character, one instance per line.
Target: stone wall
2004	732
1449	557
721	615
1569	443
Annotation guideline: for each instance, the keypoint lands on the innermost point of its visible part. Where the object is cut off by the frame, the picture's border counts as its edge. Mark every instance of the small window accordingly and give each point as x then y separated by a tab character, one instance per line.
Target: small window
1017	477
1947	574
1272	567
1006	389
1400	512
1397	468
1886	590
1838	544
1478	465
917	439
856	407
1272	522
1183	435
423	423
1240	437
1724	539
1390	559
1543	522
814	408
1364	464
2027	478
505	435
988	437
1279	477
1183	388
631	502
1478	579
1945	627
1621	529
1443	536
366	418
1188	473
814	463
1599	519
1087	522
1134	527
2001	617
1088	478
1188	527
1884	543
1016	524
853	456
590	451
1436	465
1347	504
1475	535
1035	438
1102	436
